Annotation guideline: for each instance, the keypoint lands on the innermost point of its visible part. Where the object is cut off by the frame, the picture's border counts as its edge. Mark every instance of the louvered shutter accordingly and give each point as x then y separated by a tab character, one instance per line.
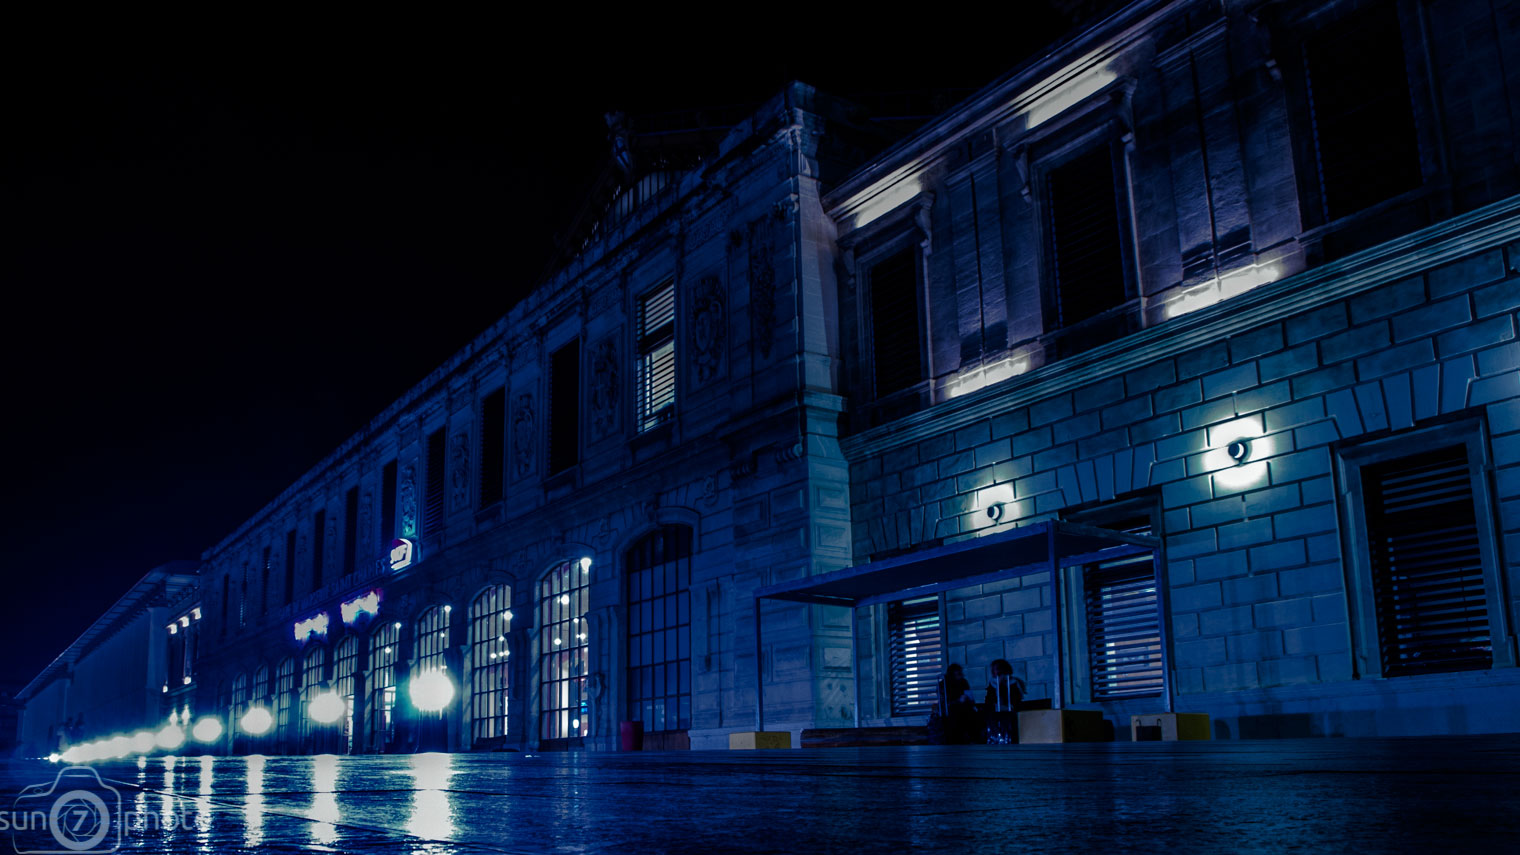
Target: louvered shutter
895	353
656	380
1124	625
432	494
917	652
493	443
1088	267
1427	568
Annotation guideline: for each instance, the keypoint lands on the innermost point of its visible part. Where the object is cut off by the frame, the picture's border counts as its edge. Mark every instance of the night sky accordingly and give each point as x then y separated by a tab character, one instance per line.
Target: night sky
220	264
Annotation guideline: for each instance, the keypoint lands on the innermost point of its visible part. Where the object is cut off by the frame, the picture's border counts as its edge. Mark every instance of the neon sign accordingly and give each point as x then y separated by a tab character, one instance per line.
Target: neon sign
312	626
369	604
403	552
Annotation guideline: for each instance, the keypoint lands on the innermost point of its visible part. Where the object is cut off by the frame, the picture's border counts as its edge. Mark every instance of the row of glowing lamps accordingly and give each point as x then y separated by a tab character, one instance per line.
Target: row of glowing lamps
431	691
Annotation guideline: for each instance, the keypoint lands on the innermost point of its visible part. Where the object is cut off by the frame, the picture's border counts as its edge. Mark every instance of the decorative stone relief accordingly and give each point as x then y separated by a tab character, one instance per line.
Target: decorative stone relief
709	495
406	499
605	385
523	435
459	470
708	328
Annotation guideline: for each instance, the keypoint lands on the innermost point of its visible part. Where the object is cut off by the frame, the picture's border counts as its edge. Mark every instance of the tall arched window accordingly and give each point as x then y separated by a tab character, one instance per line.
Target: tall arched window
659	630
563	600
312	674
284	691
345	666
383	644
490	621
432	640
260	686
239	697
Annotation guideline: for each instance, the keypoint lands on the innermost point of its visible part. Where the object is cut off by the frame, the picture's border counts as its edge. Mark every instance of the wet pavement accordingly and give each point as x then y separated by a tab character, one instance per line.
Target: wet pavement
1397	795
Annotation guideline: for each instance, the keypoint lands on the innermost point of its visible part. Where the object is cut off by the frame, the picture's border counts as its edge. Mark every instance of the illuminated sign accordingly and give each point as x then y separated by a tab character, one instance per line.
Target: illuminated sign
369	604
403	552
311	626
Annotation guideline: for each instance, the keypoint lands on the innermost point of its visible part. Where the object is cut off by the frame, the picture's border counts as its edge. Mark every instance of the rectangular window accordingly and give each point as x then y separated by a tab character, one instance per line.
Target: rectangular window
659	630
318	547
565	407
387	506
226	598
916	648
493	444
350	530
290	566
896	346
656	369
432	493
264	582
563	630
1085	243
1427	564
1360	113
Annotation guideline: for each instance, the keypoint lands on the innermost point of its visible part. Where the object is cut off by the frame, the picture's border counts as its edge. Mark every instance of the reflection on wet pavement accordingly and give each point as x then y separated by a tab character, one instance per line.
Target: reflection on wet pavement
1413	795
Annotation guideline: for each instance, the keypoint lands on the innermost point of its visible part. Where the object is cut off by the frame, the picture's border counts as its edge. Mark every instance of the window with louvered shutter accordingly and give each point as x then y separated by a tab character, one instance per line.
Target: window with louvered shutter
1427	564
896	352
350	530
1087	263
1123	629
565	406
656	368
318	547
493	444
432	494
1360	113
916	649
387	506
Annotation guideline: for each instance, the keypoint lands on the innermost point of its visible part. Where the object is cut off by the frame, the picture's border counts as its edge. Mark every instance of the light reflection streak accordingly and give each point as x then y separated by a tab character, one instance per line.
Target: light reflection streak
324	811
253	805
432	810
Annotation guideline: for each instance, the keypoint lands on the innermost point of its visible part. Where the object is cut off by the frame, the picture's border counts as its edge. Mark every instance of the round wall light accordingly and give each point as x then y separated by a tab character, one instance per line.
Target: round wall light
1238	450
995	512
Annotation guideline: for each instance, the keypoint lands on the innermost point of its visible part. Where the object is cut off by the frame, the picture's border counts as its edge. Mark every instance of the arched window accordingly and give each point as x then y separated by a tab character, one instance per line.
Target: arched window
432	640
284	696
312	675
490	621
260	686
563	599
345	666
659	630
239	697
383	644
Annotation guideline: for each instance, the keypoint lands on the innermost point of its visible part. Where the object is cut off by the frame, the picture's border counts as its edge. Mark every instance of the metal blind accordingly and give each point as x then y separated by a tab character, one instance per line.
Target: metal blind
1427	569
565	406
1124	625
493	444
318	547
432	494
1359	109
656	368
916	646
895	350
350	529
1088	269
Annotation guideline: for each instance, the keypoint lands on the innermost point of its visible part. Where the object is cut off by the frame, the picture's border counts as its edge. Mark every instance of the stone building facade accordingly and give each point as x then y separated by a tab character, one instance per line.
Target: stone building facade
1238	275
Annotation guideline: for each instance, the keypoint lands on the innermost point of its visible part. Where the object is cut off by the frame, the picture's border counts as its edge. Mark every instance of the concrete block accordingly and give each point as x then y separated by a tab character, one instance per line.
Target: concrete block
1150	378
1210	357
1177	397
1503	297
1316	324
1405	357
1193	598
1388	299
1045	727
1262	397
1432	318
1254	343
1050	410
1497	388
1336	376
1226	621
1297	360
1230	380
1497	360
750	740
1170	727
1273	556
1466	274
1356	342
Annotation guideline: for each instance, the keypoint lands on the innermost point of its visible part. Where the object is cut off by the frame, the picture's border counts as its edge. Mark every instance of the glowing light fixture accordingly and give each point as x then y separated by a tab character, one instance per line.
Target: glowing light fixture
54	757
326	708
564	599
208	729
196	612
171	737
173	628
368	604
315	625
184	620
1068	96
1238	450
143	742
187	680
894	191
257	721
586	565
432	691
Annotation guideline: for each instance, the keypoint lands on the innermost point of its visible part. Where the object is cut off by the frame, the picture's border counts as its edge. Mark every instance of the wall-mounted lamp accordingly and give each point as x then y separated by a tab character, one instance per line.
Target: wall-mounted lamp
1238	450
995	512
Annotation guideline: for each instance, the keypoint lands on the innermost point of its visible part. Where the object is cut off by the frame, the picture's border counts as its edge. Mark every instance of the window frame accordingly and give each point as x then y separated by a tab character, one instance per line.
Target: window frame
866	264
490	665
889	632
1361	597
645	346
550	618
679	549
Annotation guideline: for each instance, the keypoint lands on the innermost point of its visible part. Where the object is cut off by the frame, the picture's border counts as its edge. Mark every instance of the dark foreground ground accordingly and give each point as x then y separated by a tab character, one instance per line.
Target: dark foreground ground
1407	795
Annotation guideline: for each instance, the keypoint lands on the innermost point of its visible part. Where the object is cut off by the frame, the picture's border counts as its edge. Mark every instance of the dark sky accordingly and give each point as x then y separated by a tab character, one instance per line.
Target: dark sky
218	265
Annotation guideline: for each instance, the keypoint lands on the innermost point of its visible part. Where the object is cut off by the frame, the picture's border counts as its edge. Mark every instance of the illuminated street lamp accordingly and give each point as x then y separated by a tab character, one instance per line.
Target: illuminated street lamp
432	691
326	708
257	721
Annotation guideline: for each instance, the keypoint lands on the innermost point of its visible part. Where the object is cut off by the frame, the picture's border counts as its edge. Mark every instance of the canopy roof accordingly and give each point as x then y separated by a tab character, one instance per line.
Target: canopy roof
1023	550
